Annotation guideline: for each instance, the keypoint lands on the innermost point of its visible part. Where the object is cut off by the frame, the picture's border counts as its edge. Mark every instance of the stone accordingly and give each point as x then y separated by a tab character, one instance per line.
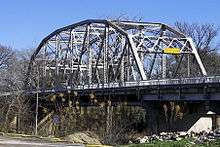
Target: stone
178	139
83	137
211	136
1	134
168	137
204	137
211	133
182	134
199	141
217	131
154	137
192	134
203	133
173	137
138	140
144	139
163	133
216	135
130	142
192	142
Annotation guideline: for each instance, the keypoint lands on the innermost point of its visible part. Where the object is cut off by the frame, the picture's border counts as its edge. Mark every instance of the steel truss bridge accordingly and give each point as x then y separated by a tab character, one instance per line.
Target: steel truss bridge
140	60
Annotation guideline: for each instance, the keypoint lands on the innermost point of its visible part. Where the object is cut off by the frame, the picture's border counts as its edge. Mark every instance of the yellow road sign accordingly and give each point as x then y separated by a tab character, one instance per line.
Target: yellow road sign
171	51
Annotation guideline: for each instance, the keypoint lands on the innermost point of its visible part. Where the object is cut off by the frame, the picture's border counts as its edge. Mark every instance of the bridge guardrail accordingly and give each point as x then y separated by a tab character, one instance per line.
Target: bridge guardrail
195	80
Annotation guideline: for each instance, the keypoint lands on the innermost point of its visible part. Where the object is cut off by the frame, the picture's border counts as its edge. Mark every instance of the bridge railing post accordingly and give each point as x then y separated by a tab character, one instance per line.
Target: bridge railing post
217	79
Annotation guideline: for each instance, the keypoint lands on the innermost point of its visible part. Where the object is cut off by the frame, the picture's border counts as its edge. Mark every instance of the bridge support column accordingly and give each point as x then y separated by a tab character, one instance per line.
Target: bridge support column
152	117
217	121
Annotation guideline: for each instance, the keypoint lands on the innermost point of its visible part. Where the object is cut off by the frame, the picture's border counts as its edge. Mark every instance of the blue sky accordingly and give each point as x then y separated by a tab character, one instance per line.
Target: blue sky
23	23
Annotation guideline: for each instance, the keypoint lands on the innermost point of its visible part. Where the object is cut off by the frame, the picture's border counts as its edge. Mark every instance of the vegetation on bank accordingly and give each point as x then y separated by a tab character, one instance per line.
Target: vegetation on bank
181	143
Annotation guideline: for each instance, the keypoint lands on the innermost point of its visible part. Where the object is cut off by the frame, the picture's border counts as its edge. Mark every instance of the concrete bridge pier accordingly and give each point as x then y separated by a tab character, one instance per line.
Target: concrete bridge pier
215	108
217	121
197	116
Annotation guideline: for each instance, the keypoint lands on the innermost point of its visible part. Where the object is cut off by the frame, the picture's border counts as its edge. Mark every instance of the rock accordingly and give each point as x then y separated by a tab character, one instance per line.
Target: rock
211	136
145	139
217	131
211	133
204	137
178	139
174	137
1	134
137	140
167	137
163	133
199	141
203	133
192	134
199	138
83	137
216	135
182	134
192	142
155	136
130	142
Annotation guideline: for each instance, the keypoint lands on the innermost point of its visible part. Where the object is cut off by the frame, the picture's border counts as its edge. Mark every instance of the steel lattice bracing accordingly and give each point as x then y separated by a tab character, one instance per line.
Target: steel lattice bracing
103	51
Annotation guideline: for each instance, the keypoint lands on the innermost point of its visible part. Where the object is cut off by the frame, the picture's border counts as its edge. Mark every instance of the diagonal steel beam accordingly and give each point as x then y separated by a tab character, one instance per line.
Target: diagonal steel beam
133	49
198	59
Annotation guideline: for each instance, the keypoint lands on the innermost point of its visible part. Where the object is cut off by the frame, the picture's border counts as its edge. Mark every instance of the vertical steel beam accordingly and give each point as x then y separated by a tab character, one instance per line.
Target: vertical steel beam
121	63
57	55
178	66
105	55
122	73
79	73
128	65
164	66
71	50
44	65
156	46
188	65
89	50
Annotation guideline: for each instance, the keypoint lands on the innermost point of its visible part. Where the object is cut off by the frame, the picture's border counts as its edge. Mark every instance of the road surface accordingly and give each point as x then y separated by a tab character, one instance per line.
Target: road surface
13	142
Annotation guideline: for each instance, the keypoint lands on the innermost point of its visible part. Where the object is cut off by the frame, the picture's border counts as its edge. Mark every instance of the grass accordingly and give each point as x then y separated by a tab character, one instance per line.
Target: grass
181	143
161	144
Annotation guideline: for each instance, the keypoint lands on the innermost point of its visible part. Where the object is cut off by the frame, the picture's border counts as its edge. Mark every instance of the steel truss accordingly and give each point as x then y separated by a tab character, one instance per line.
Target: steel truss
104	51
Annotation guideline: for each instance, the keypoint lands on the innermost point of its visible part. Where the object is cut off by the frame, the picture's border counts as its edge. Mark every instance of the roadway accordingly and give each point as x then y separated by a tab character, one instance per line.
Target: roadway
15	142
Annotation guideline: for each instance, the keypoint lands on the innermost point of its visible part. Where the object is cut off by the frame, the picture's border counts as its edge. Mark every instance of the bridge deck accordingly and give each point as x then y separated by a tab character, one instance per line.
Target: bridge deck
166	86
161	82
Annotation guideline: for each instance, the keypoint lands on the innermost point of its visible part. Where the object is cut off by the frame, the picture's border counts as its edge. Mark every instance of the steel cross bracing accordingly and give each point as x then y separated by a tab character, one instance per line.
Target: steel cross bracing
104	52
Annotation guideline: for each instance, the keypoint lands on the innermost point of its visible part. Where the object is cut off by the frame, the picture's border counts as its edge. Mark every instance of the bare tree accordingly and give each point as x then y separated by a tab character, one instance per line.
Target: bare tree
6	56
12	75
204	37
